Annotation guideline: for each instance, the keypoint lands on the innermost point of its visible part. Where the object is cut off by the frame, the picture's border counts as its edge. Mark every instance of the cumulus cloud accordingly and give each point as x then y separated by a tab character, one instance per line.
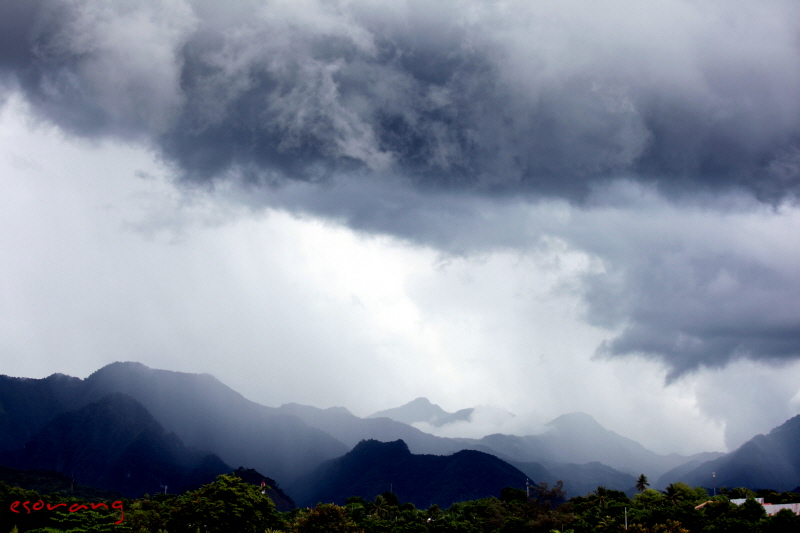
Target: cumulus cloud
698	291
516	96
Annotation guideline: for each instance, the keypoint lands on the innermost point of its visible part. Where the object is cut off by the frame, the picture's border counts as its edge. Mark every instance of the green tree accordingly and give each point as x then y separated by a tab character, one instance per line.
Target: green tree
226	505
326	518
784	521
381	507
546	498
511	494
642	483
545	510
750	511
681	492
741	492
150	514
600	497
647	498
434	512
391	498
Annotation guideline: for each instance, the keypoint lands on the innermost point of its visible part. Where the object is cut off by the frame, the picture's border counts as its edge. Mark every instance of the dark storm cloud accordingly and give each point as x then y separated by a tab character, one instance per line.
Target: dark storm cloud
430	120
697	293
488	97
685	322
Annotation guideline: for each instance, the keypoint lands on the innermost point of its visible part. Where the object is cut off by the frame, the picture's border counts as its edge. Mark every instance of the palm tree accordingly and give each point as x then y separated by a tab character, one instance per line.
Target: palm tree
600	497
642	483
606	523
673	494
381	507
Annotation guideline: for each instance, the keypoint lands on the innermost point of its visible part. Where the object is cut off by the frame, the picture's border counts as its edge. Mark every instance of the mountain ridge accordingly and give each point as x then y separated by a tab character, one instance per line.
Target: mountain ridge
764	461
203	412
291	441
422	410
374	467
116	444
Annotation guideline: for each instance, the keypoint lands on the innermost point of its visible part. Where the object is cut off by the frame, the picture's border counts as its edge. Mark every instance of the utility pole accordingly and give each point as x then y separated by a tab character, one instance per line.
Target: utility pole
626	519
714	475
527	488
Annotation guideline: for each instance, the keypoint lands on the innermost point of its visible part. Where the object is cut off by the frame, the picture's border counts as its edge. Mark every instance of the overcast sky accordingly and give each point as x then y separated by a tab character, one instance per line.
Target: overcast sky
542	207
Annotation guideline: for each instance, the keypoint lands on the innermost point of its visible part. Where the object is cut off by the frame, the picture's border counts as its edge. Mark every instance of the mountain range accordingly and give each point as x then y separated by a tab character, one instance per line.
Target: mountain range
422	410
577	438
148	428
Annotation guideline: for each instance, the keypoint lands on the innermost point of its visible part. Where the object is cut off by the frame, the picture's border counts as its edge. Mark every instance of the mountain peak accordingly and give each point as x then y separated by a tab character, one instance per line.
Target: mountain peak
121	366
373	467
371	450
420	401
576	421
417	410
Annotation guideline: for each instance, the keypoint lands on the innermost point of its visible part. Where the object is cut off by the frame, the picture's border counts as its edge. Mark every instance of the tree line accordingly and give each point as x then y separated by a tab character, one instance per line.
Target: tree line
231	505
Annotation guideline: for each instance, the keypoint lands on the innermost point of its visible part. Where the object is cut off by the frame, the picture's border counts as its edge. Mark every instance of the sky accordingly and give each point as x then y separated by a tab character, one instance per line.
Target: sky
532	207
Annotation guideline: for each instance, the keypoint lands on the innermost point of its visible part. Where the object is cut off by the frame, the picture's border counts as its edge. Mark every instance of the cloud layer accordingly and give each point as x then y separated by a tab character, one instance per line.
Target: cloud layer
652	148
531	97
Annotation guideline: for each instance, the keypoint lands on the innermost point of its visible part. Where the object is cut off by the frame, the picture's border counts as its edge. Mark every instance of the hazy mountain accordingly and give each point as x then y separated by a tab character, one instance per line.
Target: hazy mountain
290	441
26	405
419	410
350	429
681	473
209	415
115	444
199	409
373	467
578	478
422	410
581	479
579	438
765	461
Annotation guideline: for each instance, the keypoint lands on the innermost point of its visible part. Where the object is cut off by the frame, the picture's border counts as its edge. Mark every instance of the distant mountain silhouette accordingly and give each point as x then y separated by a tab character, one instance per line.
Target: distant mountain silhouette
418	410
26	405
348	428
114	443
351	430
765	461
581	479
209	415
201	411
289	442
422	410
577	438
681	472
373	467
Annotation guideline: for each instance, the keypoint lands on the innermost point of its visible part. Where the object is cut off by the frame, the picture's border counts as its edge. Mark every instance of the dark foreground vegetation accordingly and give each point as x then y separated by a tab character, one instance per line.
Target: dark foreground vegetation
231	504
